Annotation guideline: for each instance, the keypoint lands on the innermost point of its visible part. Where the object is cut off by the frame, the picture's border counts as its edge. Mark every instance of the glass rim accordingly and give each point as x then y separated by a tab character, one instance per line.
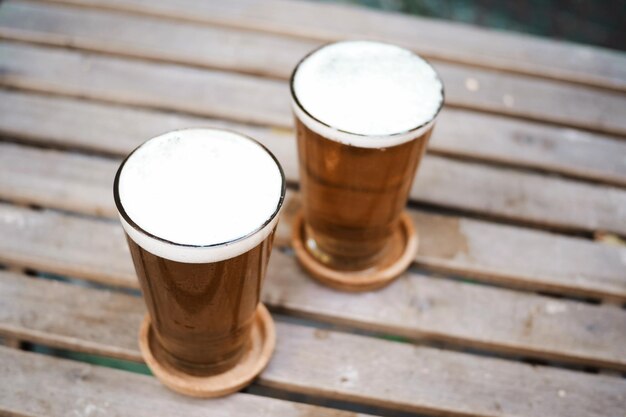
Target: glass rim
122	212
410	132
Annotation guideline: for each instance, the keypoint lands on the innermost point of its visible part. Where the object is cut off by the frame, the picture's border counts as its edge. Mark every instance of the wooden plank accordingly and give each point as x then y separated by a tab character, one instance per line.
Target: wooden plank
116	130
42	242
405	375
562	150
476	135
341	366
173	87
416	306
35	385
185	89
70	317
535	99
520	257
442	40
67	181
510	194
421	307
151	38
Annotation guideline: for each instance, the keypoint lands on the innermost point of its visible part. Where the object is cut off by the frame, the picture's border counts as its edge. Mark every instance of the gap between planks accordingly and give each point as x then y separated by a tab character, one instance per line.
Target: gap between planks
334	365
457	43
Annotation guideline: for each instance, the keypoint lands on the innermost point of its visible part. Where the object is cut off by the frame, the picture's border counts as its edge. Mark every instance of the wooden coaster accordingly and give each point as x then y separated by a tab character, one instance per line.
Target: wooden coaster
263	341
406	242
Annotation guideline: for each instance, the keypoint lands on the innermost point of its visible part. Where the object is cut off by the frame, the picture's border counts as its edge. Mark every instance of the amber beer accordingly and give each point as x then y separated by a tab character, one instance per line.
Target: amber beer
201	312
364	112
199	208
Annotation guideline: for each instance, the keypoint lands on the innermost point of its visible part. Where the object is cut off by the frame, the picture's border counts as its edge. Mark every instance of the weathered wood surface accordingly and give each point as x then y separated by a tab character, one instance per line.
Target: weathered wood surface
196	91
35	385
71	317
508	194
521	257
61	180
419	307
524	144
65	245
151	38
459	132
536	259
119	81
416	306
403	376
330	364
447	41
94	126
528	258
102	128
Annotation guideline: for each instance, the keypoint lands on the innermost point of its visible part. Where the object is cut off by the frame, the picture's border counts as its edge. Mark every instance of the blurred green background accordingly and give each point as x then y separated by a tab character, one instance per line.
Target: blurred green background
601	22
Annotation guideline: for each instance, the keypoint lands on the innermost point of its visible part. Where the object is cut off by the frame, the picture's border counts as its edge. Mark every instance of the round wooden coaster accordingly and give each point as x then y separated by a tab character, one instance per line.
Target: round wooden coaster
263	341
405	240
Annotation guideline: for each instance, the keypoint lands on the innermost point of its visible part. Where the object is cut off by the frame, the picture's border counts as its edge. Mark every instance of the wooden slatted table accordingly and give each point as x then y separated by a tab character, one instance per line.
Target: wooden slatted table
515	305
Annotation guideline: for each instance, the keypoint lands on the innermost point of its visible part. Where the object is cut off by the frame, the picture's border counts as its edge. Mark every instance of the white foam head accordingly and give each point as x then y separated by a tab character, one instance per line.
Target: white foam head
366	94
199	195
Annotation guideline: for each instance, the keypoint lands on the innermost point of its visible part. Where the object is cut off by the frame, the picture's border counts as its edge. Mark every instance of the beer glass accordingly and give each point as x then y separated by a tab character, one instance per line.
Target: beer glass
363	113
199	208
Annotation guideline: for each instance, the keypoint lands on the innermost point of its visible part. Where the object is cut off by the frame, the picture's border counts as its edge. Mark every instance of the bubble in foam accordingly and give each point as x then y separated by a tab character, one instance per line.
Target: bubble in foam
209	189
366	88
